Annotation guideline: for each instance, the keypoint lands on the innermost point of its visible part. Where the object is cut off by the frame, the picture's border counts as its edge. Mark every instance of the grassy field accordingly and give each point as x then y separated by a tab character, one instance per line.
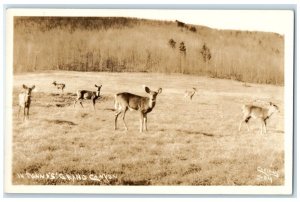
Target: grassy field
188	143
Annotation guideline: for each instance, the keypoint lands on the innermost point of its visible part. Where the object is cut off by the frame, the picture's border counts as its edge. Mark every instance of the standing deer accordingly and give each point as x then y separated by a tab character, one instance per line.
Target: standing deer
88	95
125	101
25	100
256	112
59	86
190	93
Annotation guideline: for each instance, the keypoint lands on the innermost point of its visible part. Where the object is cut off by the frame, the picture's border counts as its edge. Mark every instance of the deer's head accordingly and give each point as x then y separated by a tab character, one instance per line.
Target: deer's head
152	94
98	89
28	90
273	108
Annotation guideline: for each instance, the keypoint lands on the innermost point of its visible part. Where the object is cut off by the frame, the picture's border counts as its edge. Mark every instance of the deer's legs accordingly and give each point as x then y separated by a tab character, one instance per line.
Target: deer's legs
24	114
247	126
141	122
263	127
246	119
123	118
80	101
145	122
241	125
75	102
19	111
116	118
27	113
265	124
94	102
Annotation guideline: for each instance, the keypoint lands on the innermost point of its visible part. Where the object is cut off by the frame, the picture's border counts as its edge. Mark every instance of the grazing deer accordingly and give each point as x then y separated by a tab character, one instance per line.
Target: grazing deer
125	101
59	86
256	112
88	95
190	93
25	100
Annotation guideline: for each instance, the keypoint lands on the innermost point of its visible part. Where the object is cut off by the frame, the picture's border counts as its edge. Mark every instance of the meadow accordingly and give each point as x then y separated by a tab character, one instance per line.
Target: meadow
189	142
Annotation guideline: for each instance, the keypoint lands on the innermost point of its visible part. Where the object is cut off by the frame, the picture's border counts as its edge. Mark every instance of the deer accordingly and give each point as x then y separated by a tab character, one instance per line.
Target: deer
25	101
88	95
144	105
256	112
59	86
190	93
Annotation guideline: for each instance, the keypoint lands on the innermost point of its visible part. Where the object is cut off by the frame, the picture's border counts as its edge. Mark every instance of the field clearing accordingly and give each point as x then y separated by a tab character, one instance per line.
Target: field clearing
188	143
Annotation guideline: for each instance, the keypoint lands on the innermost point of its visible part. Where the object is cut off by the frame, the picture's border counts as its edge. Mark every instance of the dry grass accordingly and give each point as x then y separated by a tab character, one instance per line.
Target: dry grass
188	143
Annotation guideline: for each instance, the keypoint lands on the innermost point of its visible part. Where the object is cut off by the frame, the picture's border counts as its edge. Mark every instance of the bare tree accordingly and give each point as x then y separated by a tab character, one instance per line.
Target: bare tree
172	43
205	52
193	29
180	24
182	50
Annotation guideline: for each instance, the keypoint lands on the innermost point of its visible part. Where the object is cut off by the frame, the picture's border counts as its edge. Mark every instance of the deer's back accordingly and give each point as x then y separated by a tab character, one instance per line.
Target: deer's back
85	94
131	101
254	111
60	86
190	93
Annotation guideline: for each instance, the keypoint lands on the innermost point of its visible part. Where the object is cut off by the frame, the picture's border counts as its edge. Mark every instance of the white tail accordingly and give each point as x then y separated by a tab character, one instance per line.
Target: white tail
59	86
25	100
125	101
88	95
190	93
256	112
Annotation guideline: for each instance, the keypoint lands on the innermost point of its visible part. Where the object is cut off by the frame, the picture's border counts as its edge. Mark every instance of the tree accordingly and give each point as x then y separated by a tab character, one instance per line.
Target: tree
205	52
193	29
182	61
172	43
182	48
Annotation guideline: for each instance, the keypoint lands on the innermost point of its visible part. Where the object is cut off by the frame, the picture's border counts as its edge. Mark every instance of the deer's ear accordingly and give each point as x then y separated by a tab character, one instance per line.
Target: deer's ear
96	86
32	87
147	89
25	87
159	90
271	103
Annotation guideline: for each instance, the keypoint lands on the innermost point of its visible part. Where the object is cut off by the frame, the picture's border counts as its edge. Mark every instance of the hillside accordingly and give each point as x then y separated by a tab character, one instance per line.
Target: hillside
137	45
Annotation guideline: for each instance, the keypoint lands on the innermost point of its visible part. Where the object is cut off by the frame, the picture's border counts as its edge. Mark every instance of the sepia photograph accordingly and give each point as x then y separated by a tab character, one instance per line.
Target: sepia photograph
157	101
